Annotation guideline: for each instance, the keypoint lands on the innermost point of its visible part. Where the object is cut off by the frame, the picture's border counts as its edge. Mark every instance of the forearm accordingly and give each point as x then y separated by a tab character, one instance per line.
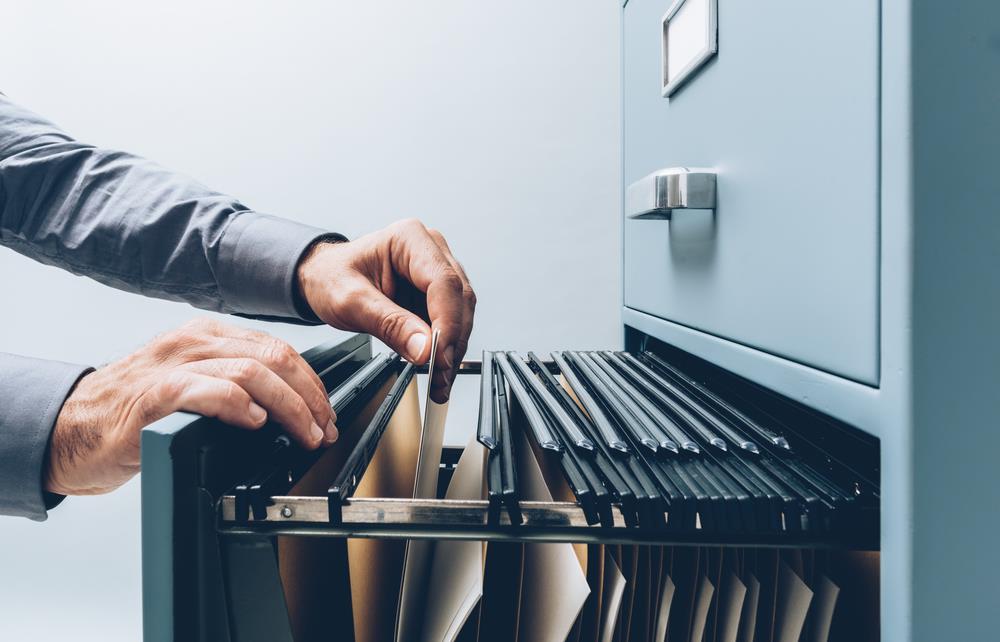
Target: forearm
128	223
32	392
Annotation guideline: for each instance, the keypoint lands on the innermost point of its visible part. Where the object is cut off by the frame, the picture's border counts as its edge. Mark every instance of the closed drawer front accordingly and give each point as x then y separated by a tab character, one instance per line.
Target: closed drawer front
787	115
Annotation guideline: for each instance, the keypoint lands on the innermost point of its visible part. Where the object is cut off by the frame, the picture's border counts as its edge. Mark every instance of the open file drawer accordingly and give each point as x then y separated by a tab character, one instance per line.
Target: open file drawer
244	535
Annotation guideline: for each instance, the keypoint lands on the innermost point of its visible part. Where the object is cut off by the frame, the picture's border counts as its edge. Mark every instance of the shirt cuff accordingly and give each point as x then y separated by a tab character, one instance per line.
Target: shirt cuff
32	393
258	255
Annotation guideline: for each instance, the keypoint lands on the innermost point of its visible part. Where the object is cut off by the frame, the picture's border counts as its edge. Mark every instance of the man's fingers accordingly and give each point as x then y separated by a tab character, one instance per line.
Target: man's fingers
268	390
284	361
453	353
228	341
202	394
468	296
366	309
418	258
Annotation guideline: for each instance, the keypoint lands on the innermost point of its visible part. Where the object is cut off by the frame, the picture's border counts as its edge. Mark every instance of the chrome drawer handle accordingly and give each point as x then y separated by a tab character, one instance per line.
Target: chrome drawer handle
657	195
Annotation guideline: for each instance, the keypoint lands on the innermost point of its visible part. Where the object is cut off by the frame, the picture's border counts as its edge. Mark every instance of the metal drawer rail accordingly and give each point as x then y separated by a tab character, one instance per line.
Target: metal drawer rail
444	519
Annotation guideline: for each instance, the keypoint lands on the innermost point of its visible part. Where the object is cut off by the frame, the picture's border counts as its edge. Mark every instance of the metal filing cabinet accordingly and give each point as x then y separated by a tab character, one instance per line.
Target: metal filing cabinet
846	253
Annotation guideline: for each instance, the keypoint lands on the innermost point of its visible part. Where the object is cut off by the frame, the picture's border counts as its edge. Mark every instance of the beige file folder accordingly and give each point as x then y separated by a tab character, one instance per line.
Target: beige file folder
455	579
417	557
554	584
376	566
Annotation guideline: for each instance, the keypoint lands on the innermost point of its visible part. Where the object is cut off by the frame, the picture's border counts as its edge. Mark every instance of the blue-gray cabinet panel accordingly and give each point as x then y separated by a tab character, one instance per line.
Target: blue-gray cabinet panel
787	113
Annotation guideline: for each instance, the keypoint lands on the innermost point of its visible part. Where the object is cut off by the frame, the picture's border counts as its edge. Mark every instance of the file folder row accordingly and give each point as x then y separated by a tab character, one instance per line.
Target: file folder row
635	432
639	443
560	521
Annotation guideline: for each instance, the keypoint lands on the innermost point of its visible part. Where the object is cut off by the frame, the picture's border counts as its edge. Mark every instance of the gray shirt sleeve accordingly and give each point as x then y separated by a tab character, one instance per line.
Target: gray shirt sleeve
129	223
32	392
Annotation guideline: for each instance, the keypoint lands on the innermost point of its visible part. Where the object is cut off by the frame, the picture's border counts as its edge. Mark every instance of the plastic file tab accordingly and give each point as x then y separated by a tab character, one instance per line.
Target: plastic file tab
486	432
350	475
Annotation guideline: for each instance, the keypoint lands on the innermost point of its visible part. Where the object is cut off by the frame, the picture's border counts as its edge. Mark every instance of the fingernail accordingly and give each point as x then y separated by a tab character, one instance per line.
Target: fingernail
331	432
415	345
257	414
316	433
449	356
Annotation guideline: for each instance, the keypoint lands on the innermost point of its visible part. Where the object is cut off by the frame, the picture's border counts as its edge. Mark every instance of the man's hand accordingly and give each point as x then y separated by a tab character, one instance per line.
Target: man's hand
392	284
205	367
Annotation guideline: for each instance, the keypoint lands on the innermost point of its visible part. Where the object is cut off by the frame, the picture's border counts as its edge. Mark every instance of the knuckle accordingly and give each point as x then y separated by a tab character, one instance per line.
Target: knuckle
275	355
302	412
257	336
245	370
451	280
174	384
231	394
201	324
407	227
319	404
284	355
469	296
181	341
278	397
168	341
391	324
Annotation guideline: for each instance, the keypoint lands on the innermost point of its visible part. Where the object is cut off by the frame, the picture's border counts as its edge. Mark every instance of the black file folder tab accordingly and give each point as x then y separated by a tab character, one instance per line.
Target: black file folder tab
544	436
354	388
501	474
684	408
486	433
603	426
582	476
353	470
565	426
667	431
633	424
652	447
711	400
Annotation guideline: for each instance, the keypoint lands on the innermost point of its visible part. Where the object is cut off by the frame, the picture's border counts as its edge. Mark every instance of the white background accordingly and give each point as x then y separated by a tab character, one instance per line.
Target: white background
496	123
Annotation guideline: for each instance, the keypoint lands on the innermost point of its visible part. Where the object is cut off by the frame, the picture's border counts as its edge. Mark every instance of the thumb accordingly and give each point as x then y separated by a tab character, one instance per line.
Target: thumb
398	328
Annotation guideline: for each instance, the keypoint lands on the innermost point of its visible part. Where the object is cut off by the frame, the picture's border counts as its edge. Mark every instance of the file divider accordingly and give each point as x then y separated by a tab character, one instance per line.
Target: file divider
600	421
582	480
508	473
676	402
607	484
545	438
357	462
713	400
658	493
664	430
631	422
486	431
617	478
568	431
376	370
689	409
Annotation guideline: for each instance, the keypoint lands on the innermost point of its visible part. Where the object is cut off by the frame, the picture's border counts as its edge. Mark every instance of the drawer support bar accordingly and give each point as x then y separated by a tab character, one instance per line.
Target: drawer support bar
444	519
